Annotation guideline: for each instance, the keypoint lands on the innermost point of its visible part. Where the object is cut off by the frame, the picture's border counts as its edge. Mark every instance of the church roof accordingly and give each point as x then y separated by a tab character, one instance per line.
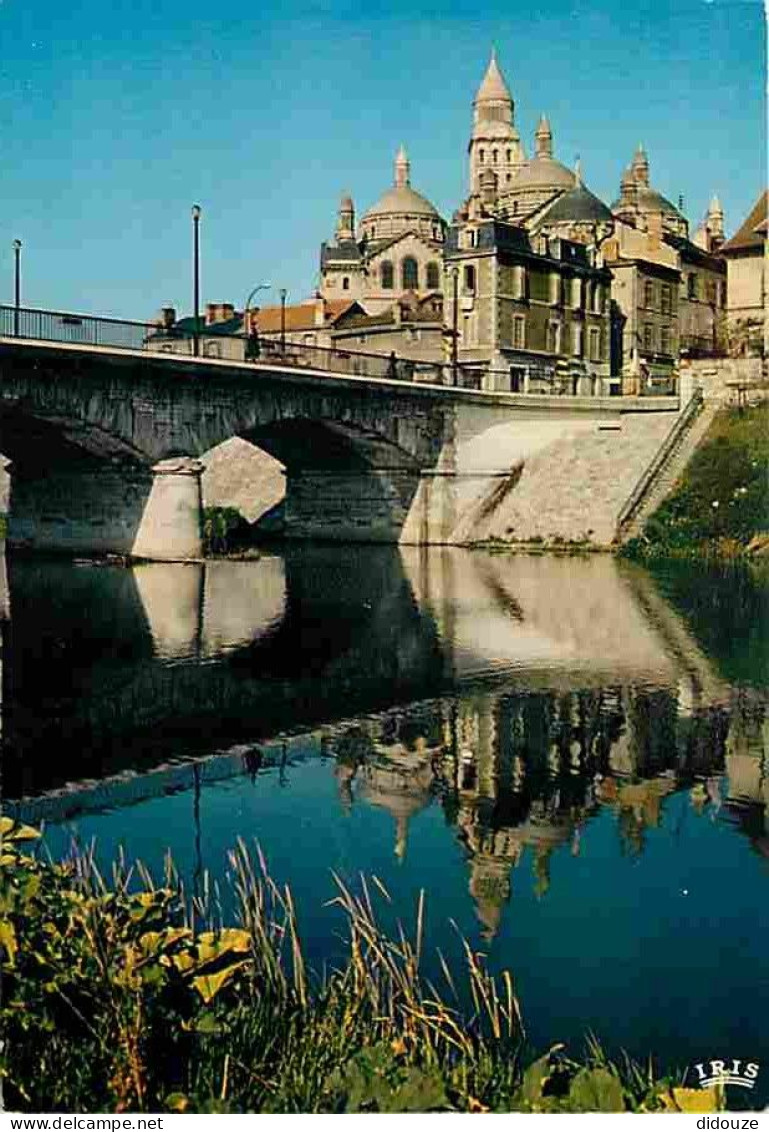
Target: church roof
493	87
576	205
348	251
752	232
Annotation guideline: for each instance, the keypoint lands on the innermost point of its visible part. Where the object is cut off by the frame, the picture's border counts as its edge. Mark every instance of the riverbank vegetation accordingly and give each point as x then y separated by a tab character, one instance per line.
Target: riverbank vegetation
127	995
720	506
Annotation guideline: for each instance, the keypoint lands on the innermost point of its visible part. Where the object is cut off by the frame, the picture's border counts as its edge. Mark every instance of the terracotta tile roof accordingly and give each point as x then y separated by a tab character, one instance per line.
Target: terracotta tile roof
752	233
300	316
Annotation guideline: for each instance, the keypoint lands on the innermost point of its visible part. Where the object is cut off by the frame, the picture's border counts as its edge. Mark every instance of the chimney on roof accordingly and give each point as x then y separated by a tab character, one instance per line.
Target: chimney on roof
219	312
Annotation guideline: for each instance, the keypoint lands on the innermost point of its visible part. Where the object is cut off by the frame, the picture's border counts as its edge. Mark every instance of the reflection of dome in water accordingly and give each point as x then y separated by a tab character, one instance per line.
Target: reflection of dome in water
401	784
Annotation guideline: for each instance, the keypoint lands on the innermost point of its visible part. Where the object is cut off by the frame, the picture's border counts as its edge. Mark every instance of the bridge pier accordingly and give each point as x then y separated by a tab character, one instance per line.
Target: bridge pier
171	524
100	506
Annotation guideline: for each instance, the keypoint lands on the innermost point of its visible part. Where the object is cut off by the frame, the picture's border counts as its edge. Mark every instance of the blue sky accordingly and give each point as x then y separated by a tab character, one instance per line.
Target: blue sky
116	118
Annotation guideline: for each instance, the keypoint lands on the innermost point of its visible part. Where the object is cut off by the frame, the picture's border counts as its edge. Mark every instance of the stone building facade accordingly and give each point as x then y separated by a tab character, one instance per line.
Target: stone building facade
532	312
746	263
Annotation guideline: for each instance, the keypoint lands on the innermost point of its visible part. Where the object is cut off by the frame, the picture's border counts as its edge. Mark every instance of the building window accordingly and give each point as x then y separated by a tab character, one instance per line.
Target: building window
576	339
509	156
691	286
373	231
433	277
345	284
212	350
665	339
519	281
388	276
554	337
576	293
649	294
648	338
410	274
469	279
519	332
494	156
480	156
722	294
595	344
666	299
555	287
518	375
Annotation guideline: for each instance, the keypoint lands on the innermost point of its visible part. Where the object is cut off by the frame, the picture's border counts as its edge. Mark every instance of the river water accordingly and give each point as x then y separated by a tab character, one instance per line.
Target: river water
570	756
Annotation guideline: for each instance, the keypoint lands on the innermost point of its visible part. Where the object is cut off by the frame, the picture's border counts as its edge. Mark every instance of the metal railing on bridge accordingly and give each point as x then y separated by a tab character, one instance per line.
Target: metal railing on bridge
120	334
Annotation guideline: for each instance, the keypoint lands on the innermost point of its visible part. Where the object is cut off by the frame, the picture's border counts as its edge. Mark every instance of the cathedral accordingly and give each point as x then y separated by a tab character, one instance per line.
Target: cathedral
539	280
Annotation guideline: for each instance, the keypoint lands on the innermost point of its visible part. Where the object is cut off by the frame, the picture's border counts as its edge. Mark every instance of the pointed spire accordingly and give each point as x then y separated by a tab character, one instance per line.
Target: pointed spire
345	226
493	88
715	218
640	165
578	172
402	169
544	138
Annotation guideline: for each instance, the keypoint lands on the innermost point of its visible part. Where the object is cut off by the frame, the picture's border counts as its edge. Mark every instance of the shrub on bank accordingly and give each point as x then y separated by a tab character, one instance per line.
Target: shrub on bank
126	996
721	502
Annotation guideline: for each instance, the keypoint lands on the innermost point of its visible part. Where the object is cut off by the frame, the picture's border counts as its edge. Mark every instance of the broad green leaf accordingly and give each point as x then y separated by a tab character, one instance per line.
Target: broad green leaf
597	1090
208	986
8	940
693	1100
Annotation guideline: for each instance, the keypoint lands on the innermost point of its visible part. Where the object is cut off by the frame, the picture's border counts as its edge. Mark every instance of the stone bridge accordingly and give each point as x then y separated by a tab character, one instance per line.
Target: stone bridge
104	447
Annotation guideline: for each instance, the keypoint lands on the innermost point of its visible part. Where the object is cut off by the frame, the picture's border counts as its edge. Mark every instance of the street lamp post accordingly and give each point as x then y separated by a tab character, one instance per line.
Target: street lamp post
283	294
455	326
247	307
196	278
16	286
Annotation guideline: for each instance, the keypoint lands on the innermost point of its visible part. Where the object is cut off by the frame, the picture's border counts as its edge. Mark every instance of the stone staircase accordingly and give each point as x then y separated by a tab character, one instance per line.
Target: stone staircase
669	462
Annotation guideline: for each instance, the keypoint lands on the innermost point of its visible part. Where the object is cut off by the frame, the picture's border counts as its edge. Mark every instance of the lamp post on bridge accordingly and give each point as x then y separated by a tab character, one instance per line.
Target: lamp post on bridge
16	286
196	278
283	294
455	325
247	307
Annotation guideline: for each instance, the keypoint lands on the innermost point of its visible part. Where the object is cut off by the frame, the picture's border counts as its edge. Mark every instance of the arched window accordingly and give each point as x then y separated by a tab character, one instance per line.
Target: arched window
433	277
388	275
410	274
480	156
494	156
345	284
509	155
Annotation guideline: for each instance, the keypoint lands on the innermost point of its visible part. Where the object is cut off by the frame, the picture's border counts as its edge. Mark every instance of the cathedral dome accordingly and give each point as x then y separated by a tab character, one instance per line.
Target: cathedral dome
401	200
544	173
401	209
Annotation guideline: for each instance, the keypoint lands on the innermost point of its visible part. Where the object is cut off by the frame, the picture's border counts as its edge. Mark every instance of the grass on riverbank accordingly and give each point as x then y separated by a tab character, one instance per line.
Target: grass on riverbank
126	996
720	505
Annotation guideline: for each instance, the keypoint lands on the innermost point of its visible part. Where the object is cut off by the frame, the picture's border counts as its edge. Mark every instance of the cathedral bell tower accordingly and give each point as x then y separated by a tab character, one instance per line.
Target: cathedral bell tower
495	143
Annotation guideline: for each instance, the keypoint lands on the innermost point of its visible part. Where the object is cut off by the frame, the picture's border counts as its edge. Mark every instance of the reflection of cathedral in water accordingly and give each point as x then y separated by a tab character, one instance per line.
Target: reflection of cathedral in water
520	774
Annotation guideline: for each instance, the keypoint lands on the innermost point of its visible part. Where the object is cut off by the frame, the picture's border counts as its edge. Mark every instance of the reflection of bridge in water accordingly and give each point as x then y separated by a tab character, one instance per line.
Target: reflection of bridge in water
525	694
